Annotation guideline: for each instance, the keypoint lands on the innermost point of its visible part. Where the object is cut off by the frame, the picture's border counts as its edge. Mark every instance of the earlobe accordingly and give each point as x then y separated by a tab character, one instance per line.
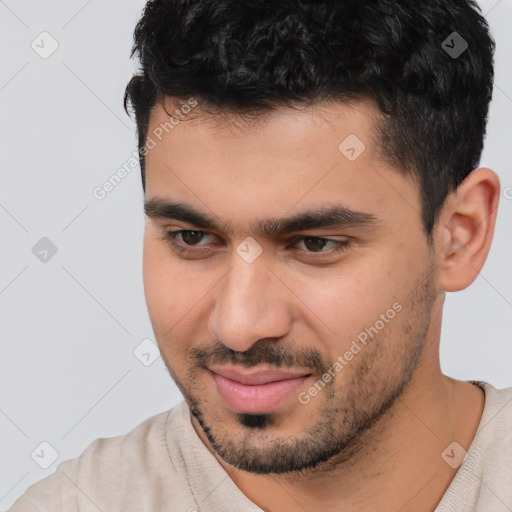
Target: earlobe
466	228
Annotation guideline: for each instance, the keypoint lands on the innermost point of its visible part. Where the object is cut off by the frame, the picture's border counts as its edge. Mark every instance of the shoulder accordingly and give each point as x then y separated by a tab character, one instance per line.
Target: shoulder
112	473
496	421
493	440
490	452
483	481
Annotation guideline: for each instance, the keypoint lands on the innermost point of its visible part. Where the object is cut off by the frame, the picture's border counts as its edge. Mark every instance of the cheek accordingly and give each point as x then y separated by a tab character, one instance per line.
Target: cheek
166	300
353	298
162	288
177	295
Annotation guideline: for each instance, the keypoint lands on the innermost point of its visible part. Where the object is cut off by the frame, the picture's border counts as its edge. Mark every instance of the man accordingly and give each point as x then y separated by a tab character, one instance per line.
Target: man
311	193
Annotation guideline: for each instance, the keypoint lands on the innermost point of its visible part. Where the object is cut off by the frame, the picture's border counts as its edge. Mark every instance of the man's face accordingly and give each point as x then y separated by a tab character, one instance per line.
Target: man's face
322	325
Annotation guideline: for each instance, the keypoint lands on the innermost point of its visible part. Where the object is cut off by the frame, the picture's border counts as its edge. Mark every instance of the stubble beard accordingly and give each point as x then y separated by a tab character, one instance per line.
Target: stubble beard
342	413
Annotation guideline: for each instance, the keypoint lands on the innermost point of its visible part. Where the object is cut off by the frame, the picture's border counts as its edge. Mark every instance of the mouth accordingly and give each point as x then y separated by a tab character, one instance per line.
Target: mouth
256	390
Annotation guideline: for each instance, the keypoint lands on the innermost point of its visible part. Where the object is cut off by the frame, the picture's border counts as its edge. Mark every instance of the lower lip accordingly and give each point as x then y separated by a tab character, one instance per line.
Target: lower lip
258	399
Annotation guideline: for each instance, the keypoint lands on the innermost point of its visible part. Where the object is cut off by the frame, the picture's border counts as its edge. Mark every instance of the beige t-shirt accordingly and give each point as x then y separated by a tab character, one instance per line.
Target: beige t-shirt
162	465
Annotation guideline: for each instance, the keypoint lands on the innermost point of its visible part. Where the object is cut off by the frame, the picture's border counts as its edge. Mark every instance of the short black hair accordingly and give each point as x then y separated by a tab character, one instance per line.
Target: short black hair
250	56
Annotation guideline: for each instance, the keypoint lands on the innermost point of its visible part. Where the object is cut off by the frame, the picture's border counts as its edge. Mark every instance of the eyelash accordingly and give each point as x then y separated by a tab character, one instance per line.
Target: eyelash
170	238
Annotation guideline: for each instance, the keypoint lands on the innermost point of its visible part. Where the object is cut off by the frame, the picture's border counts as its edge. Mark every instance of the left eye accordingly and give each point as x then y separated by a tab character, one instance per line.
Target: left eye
317	244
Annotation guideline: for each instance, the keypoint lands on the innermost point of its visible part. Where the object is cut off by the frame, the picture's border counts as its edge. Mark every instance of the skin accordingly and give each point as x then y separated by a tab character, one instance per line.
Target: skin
374	436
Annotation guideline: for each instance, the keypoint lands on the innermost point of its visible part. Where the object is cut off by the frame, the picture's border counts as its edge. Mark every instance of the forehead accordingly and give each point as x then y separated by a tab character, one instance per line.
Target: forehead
278	140
275	162
301	120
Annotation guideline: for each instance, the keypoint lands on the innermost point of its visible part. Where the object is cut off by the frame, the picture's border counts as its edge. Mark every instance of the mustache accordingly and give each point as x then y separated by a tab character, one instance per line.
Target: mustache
265	353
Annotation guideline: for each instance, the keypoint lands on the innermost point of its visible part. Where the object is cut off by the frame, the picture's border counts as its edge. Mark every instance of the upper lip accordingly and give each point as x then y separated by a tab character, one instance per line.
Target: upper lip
256	376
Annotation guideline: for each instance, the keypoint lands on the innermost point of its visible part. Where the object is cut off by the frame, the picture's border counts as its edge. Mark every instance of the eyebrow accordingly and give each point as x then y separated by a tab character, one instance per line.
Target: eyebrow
325	217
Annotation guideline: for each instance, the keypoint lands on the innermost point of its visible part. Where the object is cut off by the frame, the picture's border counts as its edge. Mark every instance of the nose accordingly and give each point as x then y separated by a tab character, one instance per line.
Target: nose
252	304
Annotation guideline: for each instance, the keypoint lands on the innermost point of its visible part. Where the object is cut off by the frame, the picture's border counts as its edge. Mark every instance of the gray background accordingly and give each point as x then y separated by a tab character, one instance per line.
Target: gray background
70	324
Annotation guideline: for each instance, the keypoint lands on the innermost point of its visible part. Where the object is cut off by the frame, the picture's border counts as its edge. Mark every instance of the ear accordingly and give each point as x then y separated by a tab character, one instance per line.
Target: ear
465	229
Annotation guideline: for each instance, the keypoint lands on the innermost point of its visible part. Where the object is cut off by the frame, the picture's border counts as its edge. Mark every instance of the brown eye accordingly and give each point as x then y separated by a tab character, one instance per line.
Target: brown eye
191	237
315	244
189	243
